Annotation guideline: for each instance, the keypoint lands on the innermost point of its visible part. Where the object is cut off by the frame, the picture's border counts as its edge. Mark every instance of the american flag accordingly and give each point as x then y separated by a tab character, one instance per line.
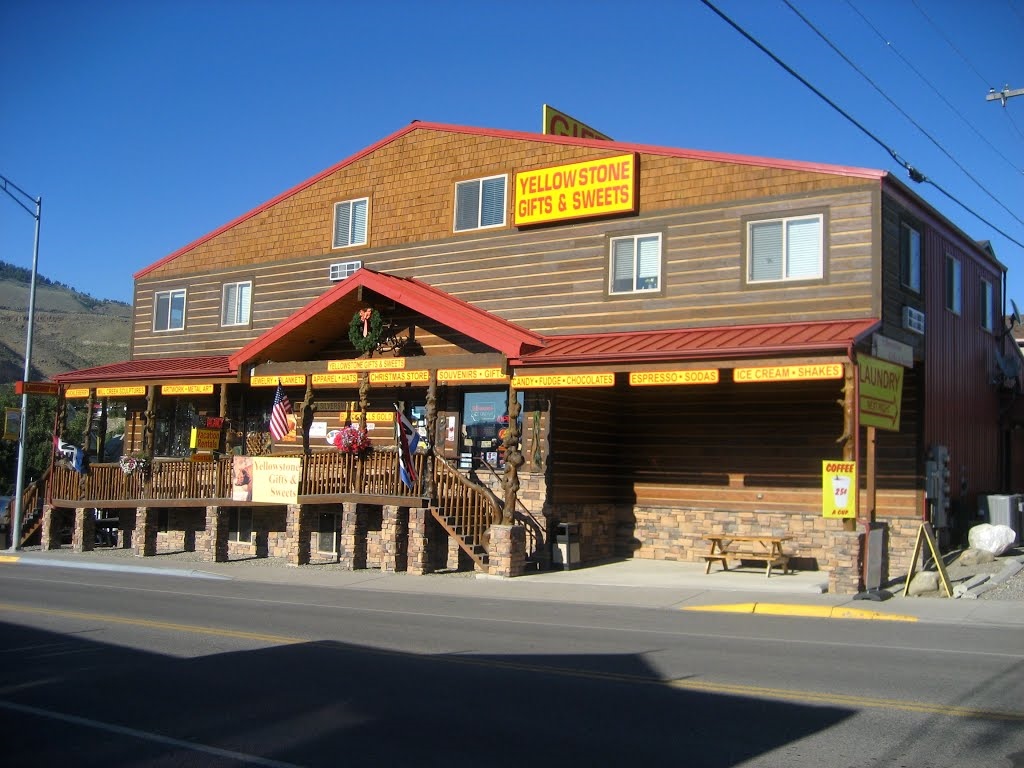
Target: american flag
279	426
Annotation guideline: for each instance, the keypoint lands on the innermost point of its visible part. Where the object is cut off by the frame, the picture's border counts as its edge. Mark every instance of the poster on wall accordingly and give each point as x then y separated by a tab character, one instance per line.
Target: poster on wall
838	488
270	480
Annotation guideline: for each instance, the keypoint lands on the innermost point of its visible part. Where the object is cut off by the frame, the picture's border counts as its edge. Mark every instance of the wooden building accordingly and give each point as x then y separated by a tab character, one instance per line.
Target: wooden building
647	344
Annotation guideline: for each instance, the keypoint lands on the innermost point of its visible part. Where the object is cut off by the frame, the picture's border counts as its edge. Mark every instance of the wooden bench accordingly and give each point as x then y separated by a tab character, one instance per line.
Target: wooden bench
765	549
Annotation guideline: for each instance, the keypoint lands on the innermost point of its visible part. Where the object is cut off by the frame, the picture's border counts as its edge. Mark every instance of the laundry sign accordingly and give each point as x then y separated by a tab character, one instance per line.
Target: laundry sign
881	393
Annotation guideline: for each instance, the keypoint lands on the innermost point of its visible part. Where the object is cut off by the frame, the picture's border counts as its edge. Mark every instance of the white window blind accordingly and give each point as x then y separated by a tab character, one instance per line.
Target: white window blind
350	223
785	249
480	203
235	306
635	264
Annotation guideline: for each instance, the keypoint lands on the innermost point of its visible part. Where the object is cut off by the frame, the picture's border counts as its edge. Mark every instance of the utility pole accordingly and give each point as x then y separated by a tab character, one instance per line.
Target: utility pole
17	512
1003	95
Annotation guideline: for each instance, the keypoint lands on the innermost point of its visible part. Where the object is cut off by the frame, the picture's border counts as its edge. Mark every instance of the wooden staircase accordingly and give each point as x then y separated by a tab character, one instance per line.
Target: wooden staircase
33	519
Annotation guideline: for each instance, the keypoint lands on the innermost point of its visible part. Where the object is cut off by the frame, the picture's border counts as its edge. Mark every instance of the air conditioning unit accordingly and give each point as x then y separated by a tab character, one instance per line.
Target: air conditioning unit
913	320
344	269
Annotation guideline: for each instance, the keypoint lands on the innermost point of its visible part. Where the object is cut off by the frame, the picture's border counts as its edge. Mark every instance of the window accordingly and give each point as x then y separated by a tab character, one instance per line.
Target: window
350	223
635	264
910	257
234	307
985	305
327	533
953	298
344	269
785	249
169	310
240	525
480	203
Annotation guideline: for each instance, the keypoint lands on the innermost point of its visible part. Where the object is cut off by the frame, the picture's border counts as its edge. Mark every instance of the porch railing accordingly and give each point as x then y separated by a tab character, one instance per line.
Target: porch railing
323	474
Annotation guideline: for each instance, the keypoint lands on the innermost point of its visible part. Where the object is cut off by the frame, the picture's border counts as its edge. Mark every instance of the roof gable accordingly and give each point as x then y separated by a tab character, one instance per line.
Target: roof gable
334	309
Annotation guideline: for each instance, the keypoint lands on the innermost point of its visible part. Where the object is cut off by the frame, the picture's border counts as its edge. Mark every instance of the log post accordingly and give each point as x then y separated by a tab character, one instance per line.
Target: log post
431	431
513	459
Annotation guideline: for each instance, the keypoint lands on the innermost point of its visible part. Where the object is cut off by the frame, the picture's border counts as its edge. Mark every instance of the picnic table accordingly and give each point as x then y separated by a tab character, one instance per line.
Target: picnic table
767	549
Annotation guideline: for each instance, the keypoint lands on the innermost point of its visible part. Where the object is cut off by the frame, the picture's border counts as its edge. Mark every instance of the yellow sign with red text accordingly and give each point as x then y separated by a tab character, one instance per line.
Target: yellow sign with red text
838	488
591	188
558	123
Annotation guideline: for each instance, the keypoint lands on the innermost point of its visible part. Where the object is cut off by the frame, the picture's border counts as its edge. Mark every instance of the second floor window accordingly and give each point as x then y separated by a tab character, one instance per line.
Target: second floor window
954	301
910	257
236	303
785	249
635	264
480	203
169	310
350	223
985	306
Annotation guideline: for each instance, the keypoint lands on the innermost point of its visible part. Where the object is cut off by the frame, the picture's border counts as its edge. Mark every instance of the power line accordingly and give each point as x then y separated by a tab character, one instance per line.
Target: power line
889	44
914	174
900	109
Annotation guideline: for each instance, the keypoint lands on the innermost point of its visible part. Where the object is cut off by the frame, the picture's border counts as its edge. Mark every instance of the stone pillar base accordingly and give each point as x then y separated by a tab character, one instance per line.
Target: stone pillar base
216	550
394	535
352	542
299	527
418	555
83	535
507	553
144	536
50	530
845	576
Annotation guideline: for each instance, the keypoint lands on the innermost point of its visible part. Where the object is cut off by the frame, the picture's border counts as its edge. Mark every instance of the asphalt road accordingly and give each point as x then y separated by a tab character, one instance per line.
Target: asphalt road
103	669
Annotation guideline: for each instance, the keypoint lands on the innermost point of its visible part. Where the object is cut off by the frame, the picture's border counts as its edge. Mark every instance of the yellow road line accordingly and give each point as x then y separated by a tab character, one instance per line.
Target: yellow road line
192	628
9	558
808	611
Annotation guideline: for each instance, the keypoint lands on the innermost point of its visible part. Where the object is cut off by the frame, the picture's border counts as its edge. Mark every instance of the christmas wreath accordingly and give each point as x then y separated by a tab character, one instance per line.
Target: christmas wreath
365	330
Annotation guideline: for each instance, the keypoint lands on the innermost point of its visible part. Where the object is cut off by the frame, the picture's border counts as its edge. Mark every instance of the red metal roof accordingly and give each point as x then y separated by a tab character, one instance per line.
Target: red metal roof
499	334
699	343
216	366
599	144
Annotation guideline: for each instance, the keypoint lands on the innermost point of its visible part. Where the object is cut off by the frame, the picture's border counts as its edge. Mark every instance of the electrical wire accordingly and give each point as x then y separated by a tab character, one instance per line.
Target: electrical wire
889	44
913	172
900	109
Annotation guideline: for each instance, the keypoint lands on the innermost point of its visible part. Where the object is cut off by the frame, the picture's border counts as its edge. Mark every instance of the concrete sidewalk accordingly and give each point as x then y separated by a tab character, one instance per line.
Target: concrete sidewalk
637	583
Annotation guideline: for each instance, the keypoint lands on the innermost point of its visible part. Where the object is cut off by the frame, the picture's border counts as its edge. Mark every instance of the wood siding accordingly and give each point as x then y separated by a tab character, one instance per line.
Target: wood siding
550	279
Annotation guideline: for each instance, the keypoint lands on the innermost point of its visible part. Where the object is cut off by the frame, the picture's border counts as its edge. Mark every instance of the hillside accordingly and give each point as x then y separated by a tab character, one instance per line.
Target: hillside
72	330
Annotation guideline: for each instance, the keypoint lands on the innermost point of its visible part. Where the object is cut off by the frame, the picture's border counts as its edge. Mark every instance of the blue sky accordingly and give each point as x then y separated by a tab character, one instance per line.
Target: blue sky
145	125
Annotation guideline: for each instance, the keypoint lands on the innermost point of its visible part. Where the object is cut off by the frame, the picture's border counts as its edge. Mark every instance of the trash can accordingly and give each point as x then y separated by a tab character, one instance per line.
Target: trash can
567	546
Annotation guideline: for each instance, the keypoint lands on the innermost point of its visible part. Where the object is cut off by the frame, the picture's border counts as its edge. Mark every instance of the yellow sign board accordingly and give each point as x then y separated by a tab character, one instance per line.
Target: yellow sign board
590	188
838	488
276	480
400	377
126	391
12	424
320	379
186	389
449	375
881	393
370	364
564	380
294	380
77	392
560	124
788	373
655	378
204	439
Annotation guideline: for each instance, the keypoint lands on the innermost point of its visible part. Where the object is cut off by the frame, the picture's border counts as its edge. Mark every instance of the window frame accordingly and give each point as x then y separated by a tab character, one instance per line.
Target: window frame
235	525
170	294
366	224
911	263
986	305
610	264
223	304
784	218
480	203
954	285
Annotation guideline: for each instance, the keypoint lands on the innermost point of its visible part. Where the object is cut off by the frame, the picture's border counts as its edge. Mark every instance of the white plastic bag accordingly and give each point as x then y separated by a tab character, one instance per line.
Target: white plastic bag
991	538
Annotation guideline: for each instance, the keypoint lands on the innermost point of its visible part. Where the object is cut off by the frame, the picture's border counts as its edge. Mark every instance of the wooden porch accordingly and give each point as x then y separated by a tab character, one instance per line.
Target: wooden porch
465	510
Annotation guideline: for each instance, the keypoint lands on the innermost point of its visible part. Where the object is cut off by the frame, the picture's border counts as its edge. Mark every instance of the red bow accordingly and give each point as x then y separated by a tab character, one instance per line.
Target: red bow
364	315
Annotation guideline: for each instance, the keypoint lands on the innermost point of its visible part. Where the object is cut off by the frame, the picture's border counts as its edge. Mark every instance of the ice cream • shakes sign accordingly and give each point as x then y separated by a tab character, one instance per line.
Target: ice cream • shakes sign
838	488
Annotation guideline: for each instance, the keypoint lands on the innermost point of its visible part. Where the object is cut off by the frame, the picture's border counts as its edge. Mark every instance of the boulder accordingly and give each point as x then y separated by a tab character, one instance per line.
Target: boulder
975	557
991	538
923	582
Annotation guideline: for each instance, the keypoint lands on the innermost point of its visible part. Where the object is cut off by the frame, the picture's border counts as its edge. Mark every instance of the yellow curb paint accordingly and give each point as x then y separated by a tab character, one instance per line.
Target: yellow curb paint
806	611
9	558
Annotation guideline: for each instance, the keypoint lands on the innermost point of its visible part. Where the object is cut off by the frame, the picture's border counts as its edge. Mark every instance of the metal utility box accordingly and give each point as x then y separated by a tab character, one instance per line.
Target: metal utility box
567	546
1000	509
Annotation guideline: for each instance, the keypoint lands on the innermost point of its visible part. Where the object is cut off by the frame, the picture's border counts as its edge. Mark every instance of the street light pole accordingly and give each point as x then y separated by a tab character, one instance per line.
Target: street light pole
18	513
